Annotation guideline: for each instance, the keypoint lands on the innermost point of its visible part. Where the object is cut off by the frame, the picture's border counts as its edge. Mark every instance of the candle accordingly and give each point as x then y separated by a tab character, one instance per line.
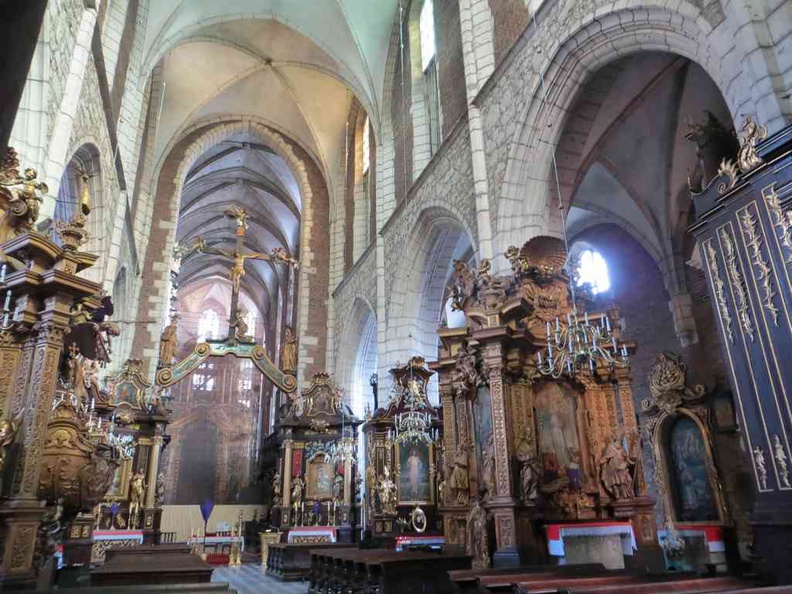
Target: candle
7	303
585	315
539	357
607	324
548	330
2	273
556	324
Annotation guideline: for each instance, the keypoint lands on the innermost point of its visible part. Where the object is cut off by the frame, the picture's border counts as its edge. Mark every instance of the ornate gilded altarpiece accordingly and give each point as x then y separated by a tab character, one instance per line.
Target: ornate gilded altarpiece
532	449
315	475
402	475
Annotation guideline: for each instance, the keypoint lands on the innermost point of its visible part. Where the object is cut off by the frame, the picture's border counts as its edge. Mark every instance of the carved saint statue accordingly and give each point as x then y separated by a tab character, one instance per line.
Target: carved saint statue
616	470
169	342
297	492
529	470
338	487
19	198
387	493
159	494
137	489
8	433
289	357
241	327
488	468
458	482
276	489
477	545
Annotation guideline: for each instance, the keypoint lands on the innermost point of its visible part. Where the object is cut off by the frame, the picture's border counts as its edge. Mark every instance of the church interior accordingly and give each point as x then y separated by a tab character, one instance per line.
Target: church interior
374	296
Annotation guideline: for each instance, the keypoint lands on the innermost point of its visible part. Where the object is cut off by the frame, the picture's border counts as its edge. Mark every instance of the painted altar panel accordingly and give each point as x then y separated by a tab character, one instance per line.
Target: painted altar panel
414	478
482	422
320	474
691	488
558	439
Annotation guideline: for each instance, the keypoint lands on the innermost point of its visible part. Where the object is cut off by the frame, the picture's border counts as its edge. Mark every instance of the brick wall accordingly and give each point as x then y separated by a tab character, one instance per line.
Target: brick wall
511	18
450	62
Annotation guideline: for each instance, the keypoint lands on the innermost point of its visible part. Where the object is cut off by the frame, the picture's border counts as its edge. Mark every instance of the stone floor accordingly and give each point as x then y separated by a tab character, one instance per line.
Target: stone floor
250	579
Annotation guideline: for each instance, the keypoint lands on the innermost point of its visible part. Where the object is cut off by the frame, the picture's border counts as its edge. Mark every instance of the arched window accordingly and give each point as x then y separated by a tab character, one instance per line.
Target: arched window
429	68
593	271
453	318
208	325
366	147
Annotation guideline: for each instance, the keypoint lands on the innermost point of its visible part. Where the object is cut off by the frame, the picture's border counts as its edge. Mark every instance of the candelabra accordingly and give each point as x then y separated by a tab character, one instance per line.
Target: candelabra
343	450
580	345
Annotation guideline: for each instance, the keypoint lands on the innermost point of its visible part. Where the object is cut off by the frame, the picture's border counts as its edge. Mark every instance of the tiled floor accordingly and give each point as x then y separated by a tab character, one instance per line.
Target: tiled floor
250	579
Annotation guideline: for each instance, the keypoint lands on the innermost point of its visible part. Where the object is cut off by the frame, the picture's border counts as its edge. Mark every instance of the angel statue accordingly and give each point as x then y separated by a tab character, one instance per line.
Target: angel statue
241	326
19	198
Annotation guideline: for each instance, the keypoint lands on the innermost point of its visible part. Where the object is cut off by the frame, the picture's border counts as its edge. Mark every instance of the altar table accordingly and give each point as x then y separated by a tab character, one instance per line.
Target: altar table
312	534
558	533
104	539
712	536
217	541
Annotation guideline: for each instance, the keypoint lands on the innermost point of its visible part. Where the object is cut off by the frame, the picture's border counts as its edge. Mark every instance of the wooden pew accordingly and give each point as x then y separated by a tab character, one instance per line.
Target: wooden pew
291	561
635	584
467	580
504	580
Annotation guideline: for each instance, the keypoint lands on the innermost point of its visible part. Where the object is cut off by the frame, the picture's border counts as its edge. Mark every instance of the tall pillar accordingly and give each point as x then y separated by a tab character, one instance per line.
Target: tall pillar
502	506
288	444
744	232
153	467
348	477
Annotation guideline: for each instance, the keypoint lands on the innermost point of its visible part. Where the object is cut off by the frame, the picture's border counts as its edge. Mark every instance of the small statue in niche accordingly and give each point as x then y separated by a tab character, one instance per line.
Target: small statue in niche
616	470
159	494
477	542
297	492
387	493
241	327
276	489
168	342
338	488
289	356
529	469
781	458
459	482
488	468
8	434
761	466
358	488
137	489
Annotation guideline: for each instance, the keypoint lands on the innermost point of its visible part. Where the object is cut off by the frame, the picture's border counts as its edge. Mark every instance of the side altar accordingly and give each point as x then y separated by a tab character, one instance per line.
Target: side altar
403	485
540	424
315	482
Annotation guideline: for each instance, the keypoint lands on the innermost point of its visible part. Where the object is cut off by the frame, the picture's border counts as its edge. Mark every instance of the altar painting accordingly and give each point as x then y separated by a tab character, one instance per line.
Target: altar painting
320	474
414	484
482	422
559	446
127	392
692	490
119	488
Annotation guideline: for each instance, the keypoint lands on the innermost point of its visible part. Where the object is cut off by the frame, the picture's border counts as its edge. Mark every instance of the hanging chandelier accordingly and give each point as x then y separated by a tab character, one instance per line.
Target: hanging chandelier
343	450
580	345
413	419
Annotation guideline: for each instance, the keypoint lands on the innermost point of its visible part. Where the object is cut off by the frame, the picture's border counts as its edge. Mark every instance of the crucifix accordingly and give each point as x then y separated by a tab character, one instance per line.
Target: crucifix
237	327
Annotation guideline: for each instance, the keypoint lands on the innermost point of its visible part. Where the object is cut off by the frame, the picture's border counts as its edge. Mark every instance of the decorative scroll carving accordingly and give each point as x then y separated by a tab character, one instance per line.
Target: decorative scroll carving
782	221
727	169
752	134
781	458
738	283
720	294
754	242
668	385
761	467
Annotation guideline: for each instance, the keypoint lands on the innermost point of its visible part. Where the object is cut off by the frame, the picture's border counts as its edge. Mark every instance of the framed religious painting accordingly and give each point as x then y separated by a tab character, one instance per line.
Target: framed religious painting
319	473
119	488
414	485
687	459
559	441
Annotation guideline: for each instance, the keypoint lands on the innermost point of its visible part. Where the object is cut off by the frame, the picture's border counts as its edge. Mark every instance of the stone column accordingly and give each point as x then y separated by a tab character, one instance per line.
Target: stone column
502	506
153	467
287	470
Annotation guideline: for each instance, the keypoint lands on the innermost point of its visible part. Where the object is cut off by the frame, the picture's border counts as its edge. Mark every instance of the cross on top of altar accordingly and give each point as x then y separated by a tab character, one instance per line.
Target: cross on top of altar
237	327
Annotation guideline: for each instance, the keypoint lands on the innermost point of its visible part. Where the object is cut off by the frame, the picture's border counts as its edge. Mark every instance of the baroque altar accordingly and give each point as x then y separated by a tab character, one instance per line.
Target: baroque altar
314	482
532	439
403	484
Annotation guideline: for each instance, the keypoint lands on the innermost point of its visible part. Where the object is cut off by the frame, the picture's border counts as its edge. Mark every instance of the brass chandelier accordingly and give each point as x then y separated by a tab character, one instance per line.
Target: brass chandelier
413	419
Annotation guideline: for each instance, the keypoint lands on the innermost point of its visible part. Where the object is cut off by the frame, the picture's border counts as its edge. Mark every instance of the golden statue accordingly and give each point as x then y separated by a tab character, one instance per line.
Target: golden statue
169	342
387	493
297	492
8	434
137	491
19	198
289	356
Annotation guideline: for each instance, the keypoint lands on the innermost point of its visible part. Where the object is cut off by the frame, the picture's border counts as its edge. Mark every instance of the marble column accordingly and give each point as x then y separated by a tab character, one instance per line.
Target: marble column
153	467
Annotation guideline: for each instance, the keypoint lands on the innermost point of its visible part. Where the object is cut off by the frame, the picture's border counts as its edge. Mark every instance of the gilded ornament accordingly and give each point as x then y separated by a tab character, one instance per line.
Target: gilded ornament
738	283
720	294
781	458
782	221
752	134
761	467
20	198
754	242
137	490
727	169
668	385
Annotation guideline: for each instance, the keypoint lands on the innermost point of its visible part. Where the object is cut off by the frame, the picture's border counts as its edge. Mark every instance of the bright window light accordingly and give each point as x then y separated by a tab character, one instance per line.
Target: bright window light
366	147
426	25
593	271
